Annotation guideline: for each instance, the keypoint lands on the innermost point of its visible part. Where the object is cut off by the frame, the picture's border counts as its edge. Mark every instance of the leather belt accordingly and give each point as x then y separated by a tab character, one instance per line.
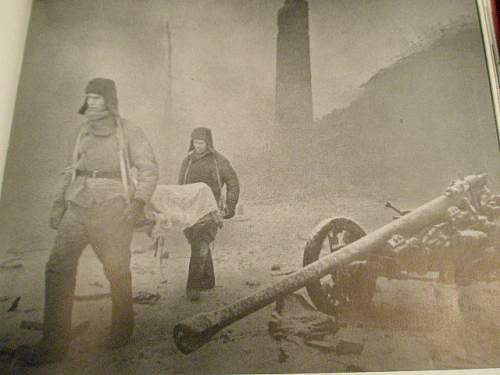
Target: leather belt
99	174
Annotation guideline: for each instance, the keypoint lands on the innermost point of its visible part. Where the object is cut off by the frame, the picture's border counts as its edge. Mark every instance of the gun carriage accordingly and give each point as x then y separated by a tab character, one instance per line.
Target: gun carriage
461	247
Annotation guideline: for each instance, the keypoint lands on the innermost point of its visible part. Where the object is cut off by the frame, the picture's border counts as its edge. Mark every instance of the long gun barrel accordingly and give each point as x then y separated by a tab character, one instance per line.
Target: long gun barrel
192	333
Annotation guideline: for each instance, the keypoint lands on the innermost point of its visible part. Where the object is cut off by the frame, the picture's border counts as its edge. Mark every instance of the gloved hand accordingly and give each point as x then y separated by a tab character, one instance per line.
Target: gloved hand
57	213
134	214
229	211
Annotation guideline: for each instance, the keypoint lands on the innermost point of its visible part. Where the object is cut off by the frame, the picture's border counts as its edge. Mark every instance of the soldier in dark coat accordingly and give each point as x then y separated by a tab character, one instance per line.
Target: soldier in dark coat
96	203
205	164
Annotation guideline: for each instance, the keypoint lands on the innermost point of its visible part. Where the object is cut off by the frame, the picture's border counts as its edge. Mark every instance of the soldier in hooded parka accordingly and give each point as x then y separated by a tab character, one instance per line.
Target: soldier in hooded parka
204	164
97	203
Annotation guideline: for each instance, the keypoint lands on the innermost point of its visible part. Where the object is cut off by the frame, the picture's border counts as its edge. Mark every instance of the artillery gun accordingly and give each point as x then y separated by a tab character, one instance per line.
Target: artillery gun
464	246
466	216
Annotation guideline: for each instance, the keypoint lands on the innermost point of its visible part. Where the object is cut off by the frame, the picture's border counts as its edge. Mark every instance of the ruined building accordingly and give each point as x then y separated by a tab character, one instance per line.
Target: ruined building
294	109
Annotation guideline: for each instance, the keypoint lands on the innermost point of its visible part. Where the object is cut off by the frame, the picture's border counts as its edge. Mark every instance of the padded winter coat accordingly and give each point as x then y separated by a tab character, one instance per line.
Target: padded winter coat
207	168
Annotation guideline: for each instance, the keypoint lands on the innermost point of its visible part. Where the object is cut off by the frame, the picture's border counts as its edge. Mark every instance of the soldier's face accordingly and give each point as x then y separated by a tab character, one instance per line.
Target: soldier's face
199	146
96	102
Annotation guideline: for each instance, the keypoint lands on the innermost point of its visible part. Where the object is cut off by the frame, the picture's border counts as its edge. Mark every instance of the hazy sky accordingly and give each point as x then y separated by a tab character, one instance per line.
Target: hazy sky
234	42
224	54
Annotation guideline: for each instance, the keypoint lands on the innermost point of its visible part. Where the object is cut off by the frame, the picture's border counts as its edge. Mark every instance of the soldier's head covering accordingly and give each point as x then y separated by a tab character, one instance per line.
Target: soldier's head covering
202	134
107	89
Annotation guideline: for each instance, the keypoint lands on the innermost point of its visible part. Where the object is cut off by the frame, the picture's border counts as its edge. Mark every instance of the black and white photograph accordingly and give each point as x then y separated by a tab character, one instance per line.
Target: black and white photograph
251	187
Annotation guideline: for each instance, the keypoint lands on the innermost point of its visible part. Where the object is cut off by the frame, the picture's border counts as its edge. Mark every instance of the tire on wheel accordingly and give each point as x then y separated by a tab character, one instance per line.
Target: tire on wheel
330	236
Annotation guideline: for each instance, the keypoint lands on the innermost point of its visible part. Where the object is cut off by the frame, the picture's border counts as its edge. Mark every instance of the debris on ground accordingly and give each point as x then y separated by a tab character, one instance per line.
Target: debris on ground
323	345
11	264
225	337
146	298
31	325
97	284
240	219
283	272
282	356
294	316
347	347
6	354
252	283
13	306
341	348
354	368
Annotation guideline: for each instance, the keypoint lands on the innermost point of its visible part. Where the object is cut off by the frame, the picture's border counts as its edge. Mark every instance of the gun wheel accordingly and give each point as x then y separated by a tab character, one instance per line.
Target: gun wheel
352	285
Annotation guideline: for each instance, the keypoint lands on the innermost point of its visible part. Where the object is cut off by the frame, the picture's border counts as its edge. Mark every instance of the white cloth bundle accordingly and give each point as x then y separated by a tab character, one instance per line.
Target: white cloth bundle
180	206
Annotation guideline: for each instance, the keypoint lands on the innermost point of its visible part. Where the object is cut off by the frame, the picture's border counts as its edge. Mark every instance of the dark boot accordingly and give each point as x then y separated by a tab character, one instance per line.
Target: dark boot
122	313
42	353
201	271
54	346
193	294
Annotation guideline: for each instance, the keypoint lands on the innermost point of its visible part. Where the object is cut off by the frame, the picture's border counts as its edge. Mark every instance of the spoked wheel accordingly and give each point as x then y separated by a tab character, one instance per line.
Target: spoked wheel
349	285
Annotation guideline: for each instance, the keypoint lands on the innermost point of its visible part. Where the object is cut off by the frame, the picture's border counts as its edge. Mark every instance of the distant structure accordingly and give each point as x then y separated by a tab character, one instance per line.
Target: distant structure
167	126
294	108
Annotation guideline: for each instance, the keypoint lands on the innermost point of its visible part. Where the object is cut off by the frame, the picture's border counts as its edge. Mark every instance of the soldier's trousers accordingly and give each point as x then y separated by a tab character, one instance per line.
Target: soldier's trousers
110	236
201	273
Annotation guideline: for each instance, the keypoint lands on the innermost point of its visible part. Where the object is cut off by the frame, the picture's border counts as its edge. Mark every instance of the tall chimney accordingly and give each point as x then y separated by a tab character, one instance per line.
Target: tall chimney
294	108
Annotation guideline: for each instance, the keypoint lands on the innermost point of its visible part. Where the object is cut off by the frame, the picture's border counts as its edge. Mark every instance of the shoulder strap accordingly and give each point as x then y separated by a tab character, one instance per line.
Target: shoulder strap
124	157
76	154
187	171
